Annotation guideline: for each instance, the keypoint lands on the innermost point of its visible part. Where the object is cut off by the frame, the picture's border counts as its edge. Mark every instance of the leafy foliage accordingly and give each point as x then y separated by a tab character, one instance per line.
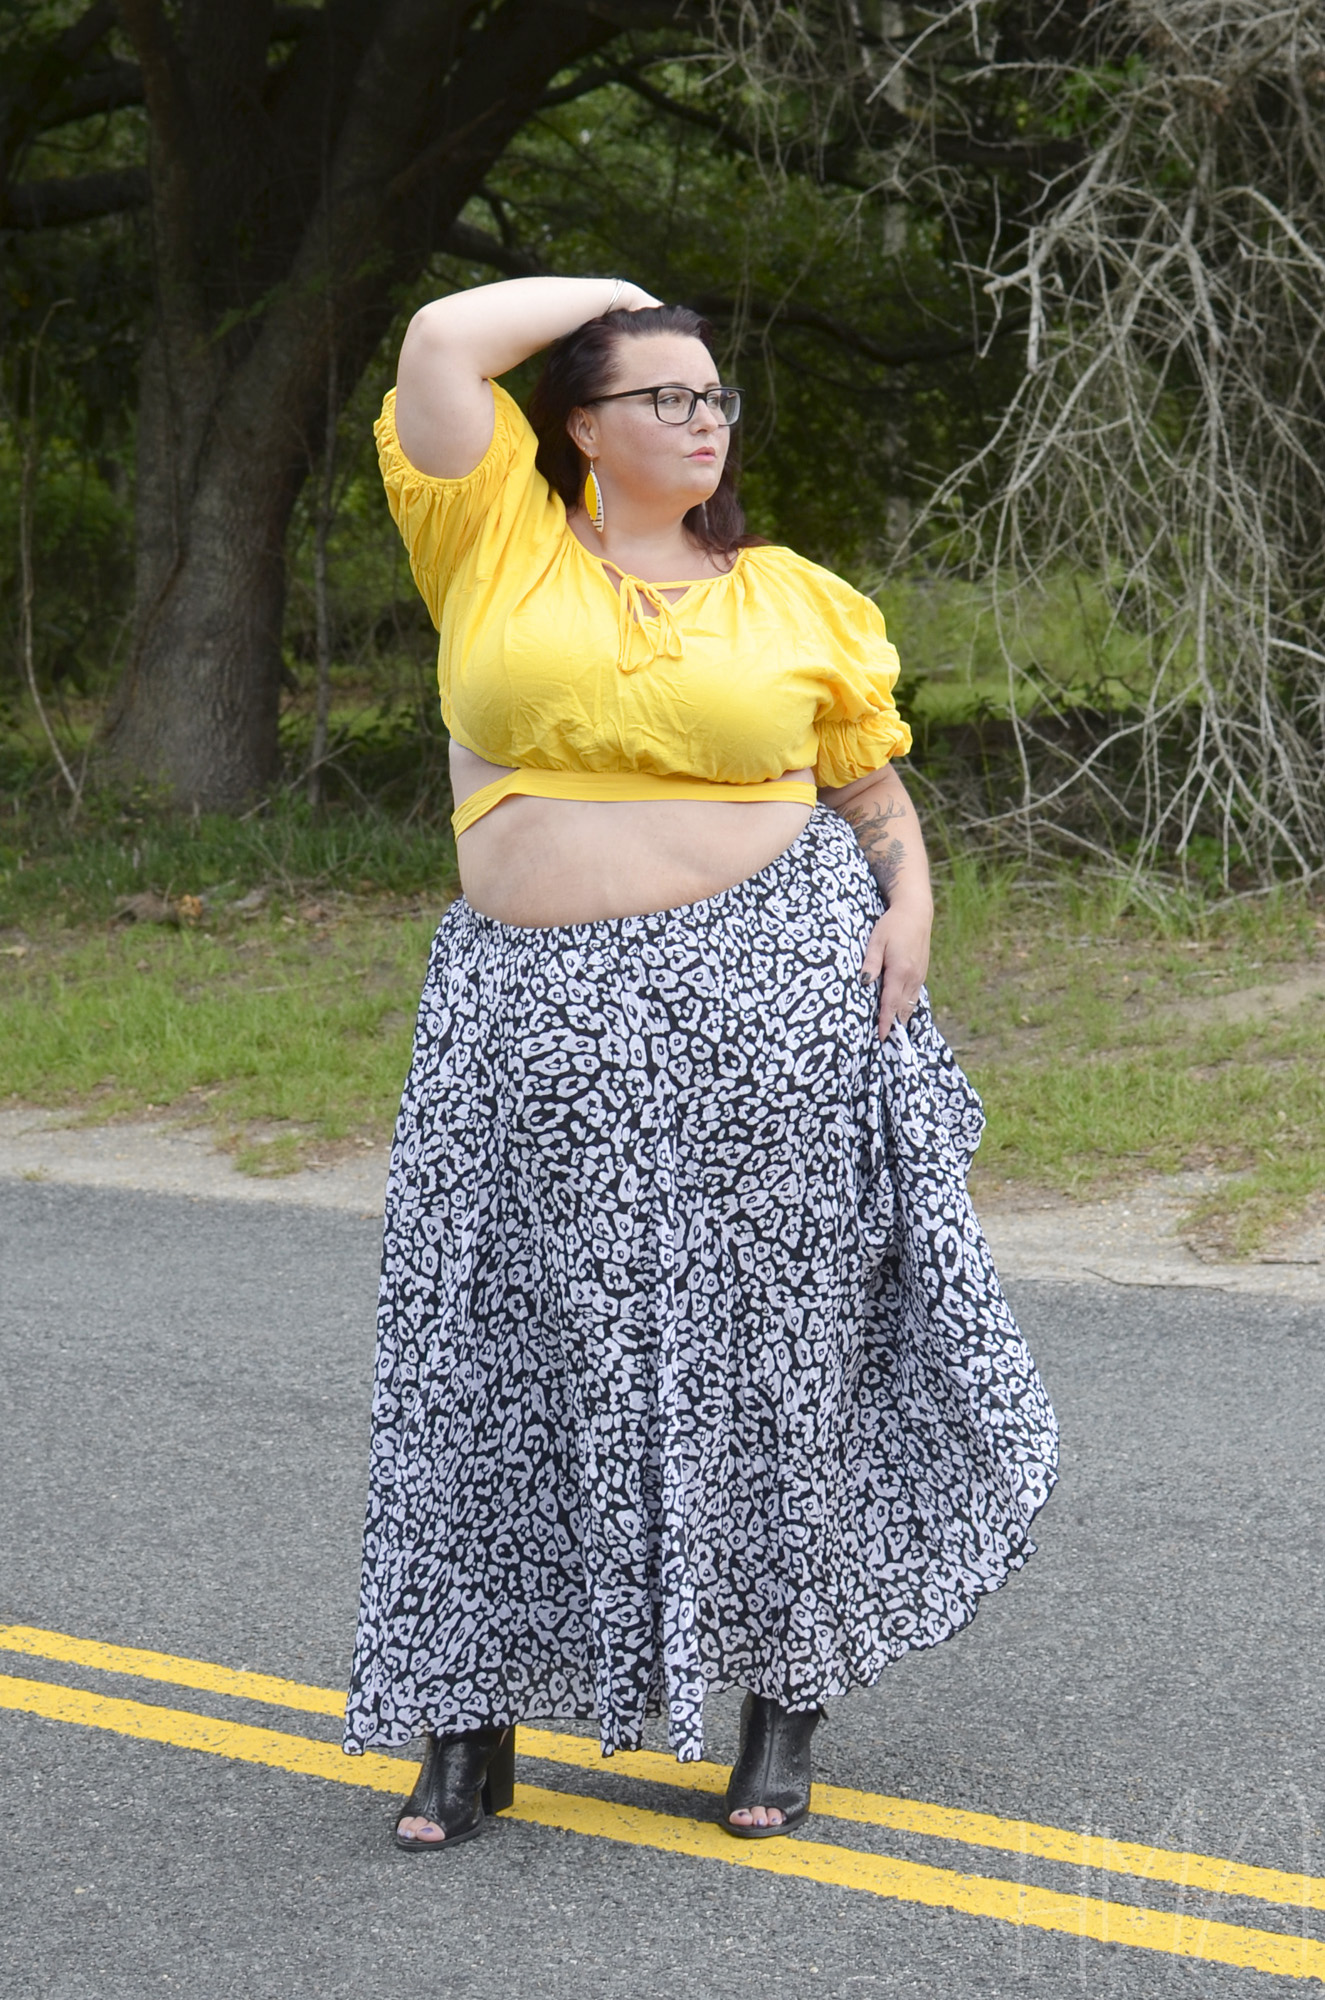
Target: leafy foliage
1026	305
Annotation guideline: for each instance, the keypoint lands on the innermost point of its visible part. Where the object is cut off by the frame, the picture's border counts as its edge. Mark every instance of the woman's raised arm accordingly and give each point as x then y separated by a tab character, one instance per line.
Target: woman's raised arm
455	345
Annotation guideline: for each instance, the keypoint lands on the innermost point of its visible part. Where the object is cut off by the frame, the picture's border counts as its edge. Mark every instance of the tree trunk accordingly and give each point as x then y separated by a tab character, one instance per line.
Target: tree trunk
198	717
198	707
285	204
326	514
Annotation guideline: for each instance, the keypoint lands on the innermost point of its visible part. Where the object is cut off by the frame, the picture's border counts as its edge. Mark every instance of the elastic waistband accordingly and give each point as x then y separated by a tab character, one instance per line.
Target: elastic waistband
614	786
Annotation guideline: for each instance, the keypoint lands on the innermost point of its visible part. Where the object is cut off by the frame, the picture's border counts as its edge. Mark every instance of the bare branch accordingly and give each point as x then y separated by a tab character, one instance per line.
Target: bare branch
478	246
600	76
824	162
55	203
27	586
90	28
900	354
35	72
1164	451
109	88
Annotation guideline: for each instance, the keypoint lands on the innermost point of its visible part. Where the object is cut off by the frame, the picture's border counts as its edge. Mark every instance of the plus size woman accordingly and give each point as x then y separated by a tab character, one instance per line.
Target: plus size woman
693	1369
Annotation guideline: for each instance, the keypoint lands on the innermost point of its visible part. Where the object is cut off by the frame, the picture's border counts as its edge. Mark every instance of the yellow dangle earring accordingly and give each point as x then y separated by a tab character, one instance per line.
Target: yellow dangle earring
593	499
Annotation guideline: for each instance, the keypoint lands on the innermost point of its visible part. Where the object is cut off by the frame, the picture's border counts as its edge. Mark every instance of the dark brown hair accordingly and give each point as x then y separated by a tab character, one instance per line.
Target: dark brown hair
580	365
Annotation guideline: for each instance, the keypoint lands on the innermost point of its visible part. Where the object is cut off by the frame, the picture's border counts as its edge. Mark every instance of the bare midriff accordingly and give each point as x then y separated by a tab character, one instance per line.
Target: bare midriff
545	862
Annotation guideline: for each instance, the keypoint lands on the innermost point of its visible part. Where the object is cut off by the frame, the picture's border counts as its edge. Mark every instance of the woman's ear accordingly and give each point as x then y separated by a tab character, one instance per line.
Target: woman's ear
582	432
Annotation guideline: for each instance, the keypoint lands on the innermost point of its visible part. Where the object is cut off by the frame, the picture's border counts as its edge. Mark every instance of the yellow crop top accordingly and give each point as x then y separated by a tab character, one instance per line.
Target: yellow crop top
590	691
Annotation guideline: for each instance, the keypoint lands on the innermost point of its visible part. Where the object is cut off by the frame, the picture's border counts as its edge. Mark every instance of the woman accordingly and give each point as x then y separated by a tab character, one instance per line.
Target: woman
693	1370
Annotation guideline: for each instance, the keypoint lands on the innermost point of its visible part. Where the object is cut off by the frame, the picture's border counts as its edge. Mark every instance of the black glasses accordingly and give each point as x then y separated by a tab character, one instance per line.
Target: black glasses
673	404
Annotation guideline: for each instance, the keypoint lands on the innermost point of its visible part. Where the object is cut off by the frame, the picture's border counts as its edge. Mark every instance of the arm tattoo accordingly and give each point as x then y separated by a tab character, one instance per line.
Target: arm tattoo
884	852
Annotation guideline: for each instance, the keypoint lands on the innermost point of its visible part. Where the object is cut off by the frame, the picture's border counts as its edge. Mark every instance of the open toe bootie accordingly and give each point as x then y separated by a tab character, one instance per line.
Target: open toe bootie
773	1768
463	1780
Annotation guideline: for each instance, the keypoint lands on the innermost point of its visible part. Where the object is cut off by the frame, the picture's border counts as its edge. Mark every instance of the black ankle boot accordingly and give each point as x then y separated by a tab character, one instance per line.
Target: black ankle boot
463	1778
773	1768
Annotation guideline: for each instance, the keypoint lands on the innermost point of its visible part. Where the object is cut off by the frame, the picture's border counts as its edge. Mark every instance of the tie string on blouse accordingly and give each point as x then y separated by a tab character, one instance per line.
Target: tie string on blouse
662	632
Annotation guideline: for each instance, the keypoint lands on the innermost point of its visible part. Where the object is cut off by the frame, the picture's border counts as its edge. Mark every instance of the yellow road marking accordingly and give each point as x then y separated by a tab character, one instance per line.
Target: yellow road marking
969	1829
812	1861
189	1731
39	1645
939	1888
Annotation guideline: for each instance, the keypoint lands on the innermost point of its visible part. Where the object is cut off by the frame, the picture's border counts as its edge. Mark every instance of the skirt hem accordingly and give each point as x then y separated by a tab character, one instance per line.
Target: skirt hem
432	1722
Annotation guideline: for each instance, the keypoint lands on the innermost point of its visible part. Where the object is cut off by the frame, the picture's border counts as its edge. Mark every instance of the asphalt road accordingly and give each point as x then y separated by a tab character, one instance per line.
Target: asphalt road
183	1463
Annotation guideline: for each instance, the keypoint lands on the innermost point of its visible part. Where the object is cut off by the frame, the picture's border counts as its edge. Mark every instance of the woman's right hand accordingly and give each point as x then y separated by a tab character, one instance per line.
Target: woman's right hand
454	347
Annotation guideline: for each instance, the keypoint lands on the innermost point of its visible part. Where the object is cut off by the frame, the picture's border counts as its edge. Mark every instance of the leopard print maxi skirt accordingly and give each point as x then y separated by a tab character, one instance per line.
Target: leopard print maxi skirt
693	1368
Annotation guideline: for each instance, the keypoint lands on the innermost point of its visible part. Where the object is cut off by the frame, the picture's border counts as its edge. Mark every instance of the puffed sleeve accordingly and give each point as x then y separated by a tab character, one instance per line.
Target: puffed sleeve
859	729
452	524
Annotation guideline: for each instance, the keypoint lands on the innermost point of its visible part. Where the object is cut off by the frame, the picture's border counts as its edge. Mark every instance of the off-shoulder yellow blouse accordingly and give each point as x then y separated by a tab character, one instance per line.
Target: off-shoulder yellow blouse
591	691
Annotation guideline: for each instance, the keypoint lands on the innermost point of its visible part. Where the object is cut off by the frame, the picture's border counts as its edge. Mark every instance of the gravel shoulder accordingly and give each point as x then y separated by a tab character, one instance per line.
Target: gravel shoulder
1127	1239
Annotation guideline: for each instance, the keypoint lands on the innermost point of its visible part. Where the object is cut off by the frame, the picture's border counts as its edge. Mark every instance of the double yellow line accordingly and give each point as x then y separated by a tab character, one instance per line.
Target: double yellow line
1015	1902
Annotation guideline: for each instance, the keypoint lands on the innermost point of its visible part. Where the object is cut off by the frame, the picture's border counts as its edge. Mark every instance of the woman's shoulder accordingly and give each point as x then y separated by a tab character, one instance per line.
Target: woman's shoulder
472	523
785	570
512	437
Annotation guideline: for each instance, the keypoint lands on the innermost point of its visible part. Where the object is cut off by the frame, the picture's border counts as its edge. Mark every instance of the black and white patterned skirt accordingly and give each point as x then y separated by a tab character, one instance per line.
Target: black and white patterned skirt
693	1368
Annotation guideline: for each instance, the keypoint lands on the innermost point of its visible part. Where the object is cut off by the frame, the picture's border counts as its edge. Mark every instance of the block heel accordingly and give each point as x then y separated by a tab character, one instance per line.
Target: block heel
463	1780
773	1767
499	1785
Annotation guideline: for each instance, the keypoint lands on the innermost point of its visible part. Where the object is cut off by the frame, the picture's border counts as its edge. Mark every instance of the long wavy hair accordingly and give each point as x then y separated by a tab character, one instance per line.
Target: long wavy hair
581	365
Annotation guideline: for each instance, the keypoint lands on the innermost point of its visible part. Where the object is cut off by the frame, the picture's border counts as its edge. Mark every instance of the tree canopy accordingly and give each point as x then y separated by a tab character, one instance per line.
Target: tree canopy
263	188
1022	297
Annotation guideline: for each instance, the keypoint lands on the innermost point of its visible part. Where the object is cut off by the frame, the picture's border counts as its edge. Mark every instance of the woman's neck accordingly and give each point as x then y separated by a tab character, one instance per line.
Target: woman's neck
662	554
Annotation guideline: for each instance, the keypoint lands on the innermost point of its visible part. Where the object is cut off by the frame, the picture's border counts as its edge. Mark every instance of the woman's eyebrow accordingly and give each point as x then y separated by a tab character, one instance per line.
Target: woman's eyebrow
625	390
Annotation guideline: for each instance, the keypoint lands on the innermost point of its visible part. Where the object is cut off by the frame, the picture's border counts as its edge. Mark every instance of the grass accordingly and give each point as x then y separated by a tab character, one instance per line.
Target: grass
1103	1031
278	1008
1063	639
1109	1042
289	1033
51	871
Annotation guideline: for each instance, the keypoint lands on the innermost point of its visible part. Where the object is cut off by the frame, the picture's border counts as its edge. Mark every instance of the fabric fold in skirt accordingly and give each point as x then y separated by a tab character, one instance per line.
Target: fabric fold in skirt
693	1366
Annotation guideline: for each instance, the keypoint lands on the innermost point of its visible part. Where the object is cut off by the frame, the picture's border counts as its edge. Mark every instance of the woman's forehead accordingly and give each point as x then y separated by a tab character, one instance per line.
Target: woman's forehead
643	359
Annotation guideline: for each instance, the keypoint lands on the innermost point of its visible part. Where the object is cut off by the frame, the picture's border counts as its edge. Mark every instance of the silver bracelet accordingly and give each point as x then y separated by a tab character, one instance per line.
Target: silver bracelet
617	290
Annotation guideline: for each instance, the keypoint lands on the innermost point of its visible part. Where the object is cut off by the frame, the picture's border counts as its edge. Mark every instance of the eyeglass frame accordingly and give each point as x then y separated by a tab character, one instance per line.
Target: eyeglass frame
697	396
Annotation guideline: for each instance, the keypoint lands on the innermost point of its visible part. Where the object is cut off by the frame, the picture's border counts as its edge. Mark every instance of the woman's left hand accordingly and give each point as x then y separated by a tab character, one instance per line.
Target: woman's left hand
899	949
